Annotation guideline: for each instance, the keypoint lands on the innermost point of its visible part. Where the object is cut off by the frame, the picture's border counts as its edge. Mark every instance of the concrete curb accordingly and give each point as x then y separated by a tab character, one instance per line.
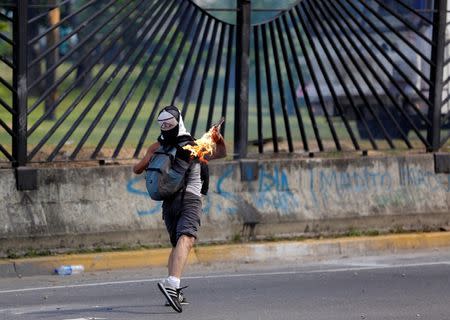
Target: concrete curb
252	252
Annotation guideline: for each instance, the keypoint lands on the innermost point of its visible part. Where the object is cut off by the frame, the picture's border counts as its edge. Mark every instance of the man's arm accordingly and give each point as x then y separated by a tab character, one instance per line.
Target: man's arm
139	167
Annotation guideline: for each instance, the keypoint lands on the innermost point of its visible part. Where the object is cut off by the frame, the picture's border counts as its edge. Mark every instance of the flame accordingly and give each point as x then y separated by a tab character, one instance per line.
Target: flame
204	146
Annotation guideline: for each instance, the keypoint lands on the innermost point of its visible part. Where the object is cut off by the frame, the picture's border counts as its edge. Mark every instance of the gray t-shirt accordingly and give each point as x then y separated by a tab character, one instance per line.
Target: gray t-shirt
194	183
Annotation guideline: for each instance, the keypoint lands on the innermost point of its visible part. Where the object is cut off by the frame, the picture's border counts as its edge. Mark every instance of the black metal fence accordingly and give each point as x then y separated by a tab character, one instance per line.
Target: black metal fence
85	79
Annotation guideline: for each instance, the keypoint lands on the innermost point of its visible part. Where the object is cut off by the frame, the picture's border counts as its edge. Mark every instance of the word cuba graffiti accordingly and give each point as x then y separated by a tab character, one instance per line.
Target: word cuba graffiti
272	191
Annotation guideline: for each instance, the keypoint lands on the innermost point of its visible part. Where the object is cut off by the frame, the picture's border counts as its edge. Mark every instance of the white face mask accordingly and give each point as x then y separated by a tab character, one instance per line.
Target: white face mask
168	121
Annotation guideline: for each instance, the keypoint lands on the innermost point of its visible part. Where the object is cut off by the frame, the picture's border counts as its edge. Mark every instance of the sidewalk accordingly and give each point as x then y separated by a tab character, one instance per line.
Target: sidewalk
238	253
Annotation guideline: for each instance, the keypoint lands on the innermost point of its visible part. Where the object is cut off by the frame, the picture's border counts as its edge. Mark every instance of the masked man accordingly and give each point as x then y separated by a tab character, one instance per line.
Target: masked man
182	212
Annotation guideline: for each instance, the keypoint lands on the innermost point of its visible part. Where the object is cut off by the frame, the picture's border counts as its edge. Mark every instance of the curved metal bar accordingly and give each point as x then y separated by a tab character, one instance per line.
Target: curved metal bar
7	62
5	17
195	68
7	129
258	90
227	76
404	21
269	89
75	31
326	76
66	18
141	76
75	83
6	153
6	106
69	54
281	87
43	14
6	39
143	50
150	120
281	12
396	67
291	85
7	85
188	59
312	73
362	74
390	27
338	73
218	65
81	96
162	92
302	83
407	7
389	94
383	67
386	39
349	73
200	95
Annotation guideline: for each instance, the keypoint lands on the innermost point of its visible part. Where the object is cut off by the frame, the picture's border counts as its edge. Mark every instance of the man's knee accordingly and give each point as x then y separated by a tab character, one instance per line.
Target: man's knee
186	241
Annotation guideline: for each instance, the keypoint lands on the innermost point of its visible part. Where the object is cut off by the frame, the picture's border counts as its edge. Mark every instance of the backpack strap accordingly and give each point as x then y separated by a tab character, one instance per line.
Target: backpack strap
185	182
186	174
162	150
204	177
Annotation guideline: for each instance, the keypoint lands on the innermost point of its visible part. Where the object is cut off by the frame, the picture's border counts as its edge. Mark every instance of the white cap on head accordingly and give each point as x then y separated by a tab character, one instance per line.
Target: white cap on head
168	121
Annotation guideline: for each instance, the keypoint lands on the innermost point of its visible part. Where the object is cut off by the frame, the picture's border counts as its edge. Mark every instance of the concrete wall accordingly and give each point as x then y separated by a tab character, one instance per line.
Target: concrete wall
108	205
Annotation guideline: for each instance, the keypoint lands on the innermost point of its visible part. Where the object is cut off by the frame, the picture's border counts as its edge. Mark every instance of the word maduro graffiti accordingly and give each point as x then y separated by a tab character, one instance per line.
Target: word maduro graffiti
330	186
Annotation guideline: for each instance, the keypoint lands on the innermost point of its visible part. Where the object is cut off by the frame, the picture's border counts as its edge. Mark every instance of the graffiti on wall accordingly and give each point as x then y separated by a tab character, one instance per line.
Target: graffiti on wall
282	192
269	192
136	186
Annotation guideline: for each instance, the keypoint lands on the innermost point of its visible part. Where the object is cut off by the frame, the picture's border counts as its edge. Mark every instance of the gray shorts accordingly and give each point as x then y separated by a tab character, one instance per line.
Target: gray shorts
182	218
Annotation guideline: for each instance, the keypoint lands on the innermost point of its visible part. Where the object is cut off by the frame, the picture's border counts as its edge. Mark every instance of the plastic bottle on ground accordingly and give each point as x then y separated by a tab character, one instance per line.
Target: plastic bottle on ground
68	270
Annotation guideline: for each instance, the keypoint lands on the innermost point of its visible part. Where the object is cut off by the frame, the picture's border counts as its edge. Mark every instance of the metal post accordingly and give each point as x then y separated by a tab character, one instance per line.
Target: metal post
436	76
54	17
20	83
243	29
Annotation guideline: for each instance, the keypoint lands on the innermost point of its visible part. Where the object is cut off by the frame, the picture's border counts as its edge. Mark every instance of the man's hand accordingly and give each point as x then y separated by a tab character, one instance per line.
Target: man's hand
215	134
215	131
220	151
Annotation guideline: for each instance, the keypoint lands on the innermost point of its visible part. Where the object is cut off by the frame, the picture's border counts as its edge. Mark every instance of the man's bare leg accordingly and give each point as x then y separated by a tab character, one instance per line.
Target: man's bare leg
177	260
179	255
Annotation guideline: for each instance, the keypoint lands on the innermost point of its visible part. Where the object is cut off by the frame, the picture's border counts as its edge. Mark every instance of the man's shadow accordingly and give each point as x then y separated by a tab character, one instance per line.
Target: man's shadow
104	311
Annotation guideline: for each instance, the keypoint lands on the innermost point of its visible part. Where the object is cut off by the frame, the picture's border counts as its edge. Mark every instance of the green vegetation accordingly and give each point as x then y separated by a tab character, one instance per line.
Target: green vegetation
29	253
111	107
353	232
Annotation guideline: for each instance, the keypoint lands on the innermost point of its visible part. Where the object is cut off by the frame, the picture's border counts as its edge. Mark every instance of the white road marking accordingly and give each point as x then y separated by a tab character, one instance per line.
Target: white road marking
362	264
31	309
51	308
381	267
91	318
216	276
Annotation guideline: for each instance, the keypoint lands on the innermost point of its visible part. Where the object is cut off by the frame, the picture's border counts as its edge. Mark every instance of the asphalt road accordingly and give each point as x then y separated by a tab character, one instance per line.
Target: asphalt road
414	286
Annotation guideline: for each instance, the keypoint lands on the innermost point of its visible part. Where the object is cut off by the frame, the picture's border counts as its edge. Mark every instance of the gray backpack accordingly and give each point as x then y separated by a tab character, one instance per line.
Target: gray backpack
165	174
